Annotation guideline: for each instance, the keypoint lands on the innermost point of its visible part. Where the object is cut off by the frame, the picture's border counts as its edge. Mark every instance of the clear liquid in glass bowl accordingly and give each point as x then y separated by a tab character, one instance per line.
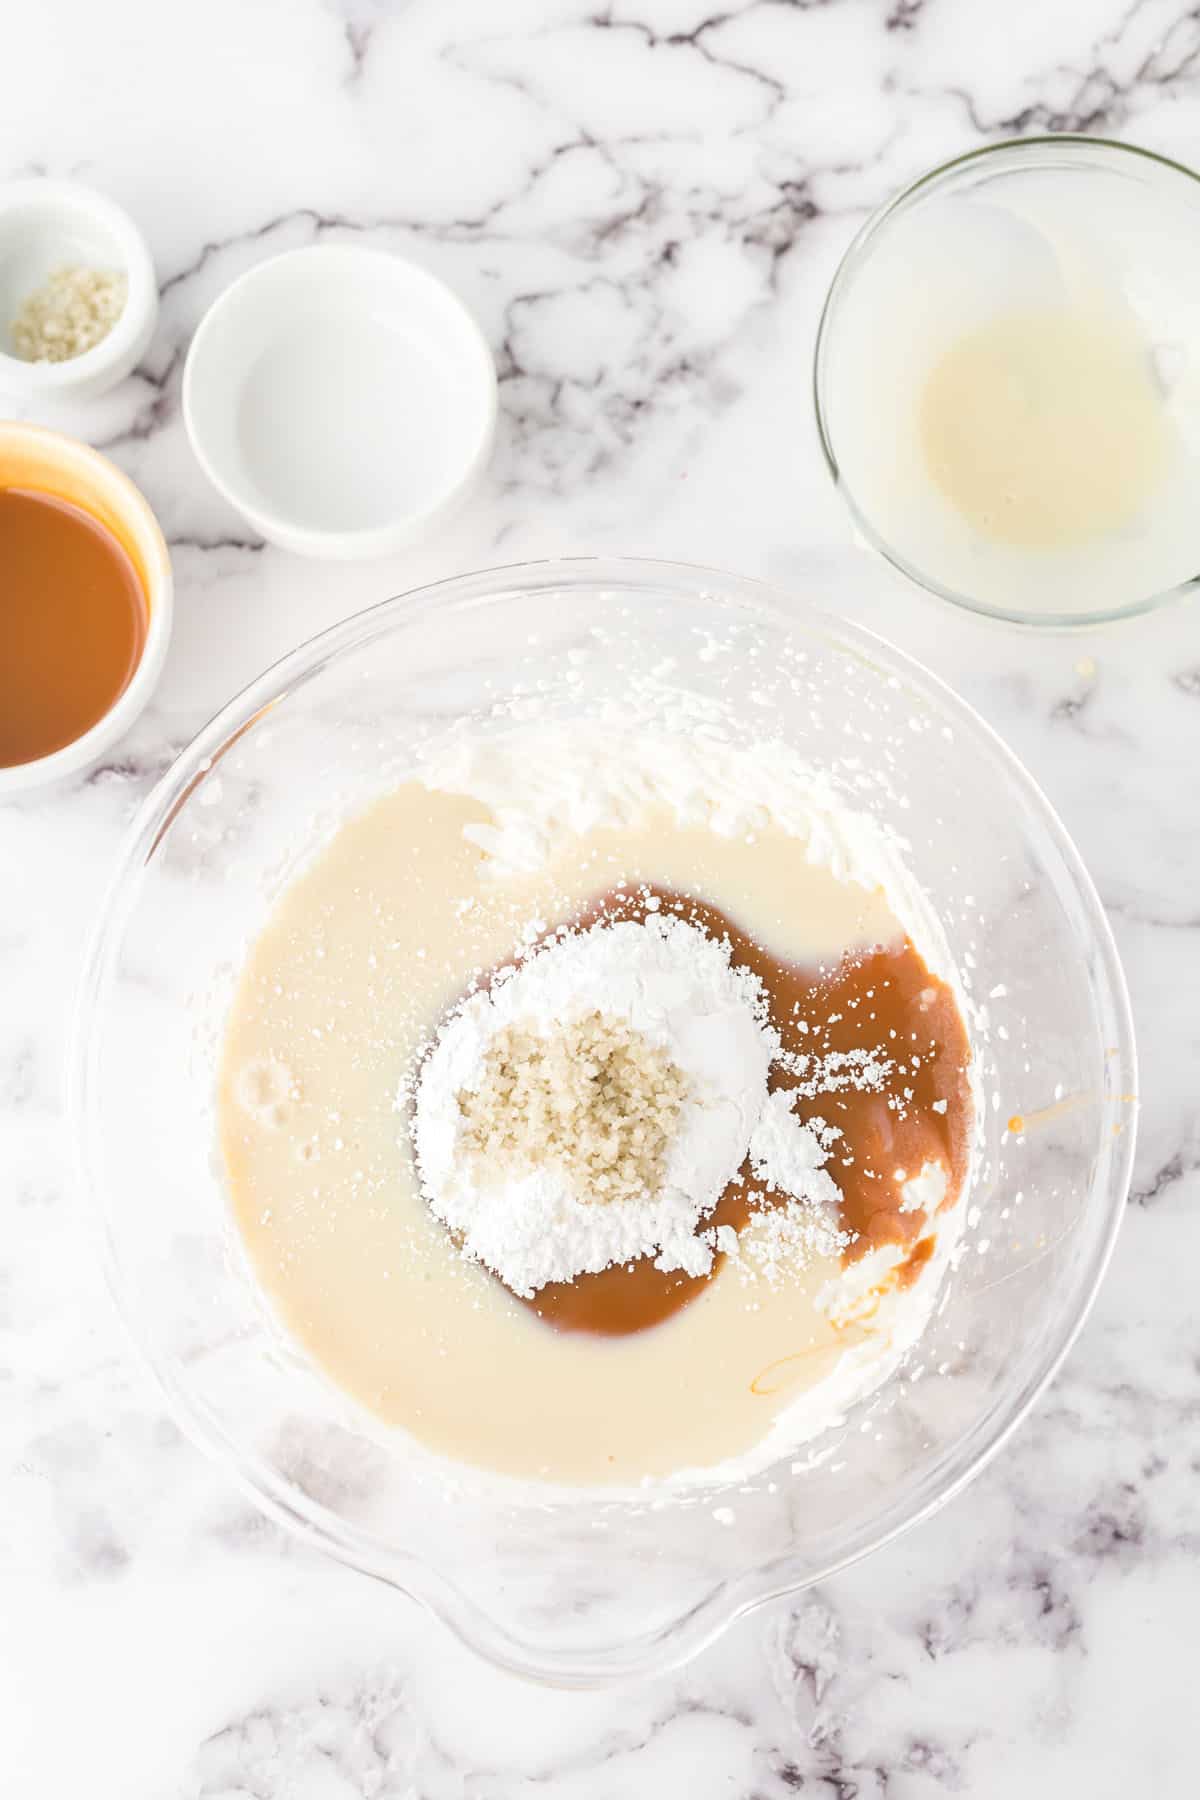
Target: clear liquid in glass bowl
580	1589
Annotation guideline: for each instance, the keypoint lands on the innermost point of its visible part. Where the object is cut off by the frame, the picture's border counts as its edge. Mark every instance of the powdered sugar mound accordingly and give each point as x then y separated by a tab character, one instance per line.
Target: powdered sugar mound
837	1071
675	985
788	1156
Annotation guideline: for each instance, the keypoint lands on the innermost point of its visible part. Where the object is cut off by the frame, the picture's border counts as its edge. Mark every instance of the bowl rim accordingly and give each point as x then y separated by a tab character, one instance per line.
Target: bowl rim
677	1640
856	251
357	541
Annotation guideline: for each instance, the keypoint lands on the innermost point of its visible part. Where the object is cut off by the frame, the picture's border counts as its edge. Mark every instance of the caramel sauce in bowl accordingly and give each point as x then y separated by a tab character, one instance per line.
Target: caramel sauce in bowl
86	605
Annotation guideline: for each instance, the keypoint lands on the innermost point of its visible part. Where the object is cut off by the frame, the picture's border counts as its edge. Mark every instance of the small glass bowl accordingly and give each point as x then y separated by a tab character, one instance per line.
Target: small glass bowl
1161	265
586	1587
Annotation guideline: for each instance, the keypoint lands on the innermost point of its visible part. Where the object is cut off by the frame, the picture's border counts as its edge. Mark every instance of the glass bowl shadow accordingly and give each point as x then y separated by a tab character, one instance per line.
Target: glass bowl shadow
580	1590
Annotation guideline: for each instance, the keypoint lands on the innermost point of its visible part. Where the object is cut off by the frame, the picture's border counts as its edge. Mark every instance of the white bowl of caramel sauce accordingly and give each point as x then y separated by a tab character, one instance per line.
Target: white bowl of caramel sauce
87	610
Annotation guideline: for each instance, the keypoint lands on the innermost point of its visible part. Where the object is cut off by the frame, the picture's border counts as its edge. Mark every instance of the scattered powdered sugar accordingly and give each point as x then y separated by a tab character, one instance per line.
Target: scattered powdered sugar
677	987
788	1156
834	1072
781	1239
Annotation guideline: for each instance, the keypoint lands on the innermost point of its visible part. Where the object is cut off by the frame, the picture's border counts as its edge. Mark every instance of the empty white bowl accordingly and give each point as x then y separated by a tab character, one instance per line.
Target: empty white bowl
343	400
47	225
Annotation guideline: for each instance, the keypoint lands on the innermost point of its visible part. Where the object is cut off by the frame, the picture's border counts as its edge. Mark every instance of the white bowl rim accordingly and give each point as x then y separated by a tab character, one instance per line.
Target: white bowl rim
294	533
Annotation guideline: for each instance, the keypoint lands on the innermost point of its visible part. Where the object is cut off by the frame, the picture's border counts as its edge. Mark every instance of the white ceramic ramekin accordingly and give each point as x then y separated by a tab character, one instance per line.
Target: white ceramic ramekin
343	400
46	225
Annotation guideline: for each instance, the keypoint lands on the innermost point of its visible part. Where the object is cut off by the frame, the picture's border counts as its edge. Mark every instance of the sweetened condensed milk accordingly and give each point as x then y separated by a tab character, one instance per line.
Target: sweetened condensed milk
628	1375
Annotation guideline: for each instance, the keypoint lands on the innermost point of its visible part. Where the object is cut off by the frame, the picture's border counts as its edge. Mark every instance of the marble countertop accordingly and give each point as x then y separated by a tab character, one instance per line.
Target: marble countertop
643	201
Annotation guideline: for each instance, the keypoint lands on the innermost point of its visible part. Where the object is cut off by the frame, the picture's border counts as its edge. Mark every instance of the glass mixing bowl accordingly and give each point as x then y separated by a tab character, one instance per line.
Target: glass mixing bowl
583	1588
1010	227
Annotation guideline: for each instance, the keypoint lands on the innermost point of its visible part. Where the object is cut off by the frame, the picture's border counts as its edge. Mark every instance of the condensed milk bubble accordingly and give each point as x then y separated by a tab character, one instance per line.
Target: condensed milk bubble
264	1088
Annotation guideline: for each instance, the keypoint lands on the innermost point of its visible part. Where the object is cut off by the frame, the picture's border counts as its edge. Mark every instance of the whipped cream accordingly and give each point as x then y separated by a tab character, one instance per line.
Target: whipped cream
545	786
